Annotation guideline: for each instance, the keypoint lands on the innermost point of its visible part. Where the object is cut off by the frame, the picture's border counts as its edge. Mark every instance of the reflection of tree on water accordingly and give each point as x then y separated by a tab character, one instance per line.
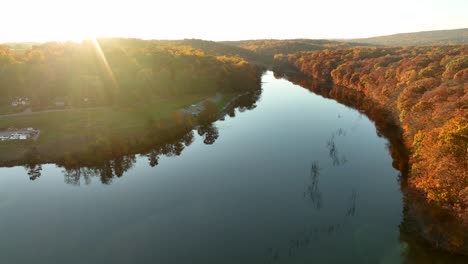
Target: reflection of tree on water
73	176
340	132
106	171
169	150
247	101
303	239
313	190
384	120
420	218
153	157
333	152
33	167
123	164
210	132
307	236
34	171
352	209
111	157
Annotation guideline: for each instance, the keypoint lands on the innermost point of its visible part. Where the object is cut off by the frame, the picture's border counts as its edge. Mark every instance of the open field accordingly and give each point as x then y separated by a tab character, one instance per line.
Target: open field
76	130
98	120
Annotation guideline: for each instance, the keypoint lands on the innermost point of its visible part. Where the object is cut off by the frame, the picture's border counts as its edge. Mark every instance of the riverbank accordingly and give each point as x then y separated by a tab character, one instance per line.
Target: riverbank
65	133
427	103
424	221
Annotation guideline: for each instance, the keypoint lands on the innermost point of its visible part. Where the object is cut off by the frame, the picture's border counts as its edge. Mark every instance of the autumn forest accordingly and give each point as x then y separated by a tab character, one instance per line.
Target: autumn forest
104	93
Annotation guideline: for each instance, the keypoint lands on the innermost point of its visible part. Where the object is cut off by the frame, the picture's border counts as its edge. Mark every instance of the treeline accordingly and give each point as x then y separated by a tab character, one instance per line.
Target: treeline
118	71
265	49
426	89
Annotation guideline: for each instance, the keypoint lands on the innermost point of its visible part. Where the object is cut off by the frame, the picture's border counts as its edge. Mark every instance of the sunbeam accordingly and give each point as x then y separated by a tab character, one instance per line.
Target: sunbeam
102	58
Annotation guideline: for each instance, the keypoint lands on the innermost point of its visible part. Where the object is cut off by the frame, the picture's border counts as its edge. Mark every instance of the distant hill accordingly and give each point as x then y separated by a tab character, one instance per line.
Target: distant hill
458	36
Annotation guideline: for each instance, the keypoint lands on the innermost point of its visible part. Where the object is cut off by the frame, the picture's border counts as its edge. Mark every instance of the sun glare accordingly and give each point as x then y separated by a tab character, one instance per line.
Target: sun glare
49	20
104	63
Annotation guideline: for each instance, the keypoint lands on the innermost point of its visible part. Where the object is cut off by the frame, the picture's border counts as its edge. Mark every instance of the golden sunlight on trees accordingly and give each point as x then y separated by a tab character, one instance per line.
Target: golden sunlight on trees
426	89
118	71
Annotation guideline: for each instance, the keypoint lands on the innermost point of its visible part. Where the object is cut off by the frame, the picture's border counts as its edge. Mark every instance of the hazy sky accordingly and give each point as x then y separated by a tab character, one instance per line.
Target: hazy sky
42	20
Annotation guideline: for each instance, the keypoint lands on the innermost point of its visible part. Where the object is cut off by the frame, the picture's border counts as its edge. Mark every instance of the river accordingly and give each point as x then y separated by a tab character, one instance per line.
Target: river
298	179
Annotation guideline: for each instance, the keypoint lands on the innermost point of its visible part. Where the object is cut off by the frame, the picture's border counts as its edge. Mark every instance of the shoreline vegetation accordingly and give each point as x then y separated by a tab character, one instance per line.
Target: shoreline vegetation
119	89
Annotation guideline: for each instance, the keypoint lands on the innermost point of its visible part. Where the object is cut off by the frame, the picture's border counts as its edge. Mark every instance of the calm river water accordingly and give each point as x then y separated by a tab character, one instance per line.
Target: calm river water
298	179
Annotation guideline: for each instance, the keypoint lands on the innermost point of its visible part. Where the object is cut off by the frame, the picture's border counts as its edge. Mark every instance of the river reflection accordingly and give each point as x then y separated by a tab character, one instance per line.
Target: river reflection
108	167
313	190
419	217
288	177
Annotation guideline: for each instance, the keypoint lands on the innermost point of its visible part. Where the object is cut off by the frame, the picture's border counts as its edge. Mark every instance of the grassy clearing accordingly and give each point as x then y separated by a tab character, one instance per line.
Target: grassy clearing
225	99
82	121
6	109
75	130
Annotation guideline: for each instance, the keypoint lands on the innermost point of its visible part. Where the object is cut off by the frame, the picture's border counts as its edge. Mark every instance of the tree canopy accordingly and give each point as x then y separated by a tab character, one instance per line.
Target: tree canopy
118	71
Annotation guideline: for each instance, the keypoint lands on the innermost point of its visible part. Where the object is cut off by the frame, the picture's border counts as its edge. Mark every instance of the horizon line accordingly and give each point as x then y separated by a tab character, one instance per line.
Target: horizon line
232	40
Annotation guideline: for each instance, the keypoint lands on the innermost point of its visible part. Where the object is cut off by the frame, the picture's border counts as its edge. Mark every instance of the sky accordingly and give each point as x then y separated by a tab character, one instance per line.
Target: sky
61	20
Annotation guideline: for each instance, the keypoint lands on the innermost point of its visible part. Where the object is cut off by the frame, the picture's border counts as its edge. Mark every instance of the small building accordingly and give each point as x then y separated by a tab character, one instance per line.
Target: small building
60	103
20	102
19	134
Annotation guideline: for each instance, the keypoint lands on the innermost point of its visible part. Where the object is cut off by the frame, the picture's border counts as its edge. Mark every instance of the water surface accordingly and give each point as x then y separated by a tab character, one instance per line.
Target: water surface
298	179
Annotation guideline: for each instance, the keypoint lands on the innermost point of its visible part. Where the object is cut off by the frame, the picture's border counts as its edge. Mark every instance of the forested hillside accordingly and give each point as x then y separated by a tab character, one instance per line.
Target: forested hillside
436	37
265	49
427	90
119	71
214	48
